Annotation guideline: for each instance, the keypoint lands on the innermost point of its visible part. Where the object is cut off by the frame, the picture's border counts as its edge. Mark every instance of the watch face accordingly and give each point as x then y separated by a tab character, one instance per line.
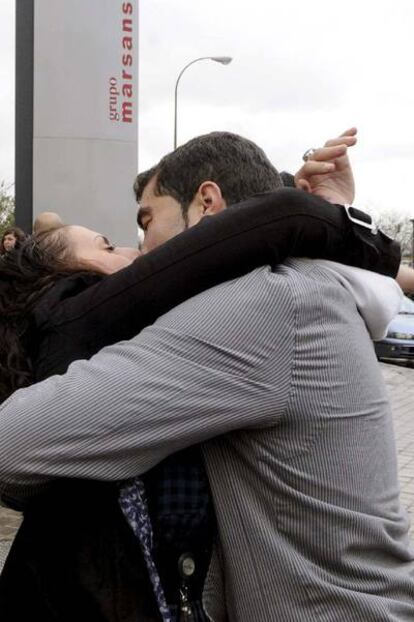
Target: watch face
359	218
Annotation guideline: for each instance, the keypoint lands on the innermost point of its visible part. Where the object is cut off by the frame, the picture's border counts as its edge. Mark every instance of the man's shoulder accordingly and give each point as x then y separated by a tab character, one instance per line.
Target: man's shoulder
263	306
259	288
267	290
246	313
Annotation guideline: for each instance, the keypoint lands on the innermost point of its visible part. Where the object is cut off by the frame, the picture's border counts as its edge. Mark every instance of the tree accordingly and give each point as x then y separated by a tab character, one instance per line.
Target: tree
6	208
397	226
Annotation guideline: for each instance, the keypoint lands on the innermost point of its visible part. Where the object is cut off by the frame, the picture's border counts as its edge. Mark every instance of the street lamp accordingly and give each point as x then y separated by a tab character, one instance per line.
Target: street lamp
224	60
412	243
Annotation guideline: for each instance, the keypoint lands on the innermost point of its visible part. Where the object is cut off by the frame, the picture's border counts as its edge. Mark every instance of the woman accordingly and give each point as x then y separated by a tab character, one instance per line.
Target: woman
11	238
74	540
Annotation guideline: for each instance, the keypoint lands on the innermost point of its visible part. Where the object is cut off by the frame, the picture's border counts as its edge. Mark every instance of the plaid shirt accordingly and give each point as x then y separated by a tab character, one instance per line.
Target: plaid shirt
172	509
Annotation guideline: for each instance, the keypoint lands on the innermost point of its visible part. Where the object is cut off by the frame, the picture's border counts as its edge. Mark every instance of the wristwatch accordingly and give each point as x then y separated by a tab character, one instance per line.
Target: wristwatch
359	218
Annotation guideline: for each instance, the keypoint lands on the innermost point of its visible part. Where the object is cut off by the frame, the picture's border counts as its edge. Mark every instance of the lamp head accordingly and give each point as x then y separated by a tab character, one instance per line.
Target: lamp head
224	60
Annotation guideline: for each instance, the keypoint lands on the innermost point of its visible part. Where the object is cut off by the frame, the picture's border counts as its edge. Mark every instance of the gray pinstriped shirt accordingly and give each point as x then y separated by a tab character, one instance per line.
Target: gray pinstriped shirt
276	375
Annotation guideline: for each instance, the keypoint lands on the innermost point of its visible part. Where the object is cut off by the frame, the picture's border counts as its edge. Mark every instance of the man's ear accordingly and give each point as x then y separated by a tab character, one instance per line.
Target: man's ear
210	198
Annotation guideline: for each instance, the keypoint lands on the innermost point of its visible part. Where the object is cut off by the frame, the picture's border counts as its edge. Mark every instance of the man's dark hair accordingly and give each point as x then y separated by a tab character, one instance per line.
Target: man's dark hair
236	164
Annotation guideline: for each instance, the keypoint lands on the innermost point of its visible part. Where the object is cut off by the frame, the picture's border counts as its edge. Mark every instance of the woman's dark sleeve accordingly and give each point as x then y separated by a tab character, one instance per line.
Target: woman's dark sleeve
265	229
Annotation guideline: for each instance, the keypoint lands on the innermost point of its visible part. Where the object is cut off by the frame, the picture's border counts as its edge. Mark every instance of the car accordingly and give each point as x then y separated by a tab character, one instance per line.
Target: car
399	342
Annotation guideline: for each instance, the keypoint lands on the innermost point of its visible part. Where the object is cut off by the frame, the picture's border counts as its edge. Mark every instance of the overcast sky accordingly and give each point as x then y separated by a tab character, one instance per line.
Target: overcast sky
302	72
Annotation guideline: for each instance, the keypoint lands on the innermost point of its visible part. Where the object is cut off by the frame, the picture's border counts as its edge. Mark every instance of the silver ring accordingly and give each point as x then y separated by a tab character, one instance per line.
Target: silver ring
308	154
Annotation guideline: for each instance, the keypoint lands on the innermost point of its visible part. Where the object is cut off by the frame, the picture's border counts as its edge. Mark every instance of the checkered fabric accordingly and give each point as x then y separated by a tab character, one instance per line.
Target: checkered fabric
177	494
179	498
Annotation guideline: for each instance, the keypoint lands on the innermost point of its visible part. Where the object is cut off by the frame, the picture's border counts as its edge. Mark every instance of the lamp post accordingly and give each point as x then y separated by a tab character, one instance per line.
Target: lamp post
224	60
412	243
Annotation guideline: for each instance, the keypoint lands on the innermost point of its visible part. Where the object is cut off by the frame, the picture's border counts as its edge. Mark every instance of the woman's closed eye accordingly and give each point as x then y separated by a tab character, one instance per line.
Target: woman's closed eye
108	246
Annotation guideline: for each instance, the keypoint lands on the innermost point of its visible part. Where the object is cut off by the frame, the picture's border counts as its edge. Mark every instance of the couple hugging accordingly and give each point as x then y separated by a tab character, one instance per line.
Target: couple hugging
221	447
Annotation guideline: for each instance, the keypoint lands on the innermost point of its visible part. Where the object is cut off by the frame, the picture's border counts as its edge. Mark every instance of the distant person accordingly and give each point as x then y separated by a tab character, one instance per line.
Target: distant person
46	221
10	239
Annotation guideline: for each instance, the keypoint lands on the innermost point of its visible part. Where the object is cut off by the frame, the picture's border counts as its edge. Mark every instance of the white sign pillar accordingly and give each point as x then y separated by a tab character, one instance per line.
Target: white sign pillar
85	112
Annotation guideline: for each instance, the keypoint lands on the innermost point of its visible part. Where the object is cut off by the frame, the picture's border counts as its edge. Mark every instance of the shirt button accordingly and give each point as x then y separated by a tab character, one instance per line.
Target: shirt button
186	565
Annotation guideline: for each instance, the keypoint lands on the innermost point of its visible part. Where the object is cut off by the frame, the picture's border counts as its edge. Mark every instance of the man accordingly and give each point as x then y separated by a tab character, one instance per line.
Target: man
330	173
276	374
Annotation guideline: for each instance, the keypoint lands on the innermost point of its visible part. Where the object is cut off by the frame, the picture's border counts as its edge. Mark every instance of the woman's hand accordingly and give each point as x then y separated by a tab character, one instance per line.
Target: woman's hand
328	172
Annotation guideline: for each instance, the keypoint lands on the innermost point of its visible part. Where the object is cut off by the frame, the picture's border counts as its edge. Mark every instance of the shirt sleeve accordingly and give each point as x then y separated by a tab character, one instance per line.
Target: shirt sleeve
217	363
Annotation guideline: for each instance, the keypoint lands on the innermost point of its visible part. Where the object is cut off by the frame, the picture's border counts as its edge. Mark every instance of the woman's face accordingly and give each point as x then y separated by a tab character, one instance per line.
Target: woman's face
95	251
9	241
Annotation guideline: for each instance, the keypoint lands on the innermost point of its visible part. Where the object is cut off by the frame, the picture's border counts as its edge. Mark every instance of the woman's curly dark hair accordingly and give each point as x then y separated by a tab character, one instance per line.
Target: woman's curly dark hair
26	273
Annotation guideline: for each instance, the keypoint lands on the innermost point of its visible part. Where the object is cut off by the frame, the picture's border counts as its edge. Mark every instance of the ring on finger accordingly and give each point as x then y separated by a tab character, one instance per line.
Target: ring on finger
308	154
